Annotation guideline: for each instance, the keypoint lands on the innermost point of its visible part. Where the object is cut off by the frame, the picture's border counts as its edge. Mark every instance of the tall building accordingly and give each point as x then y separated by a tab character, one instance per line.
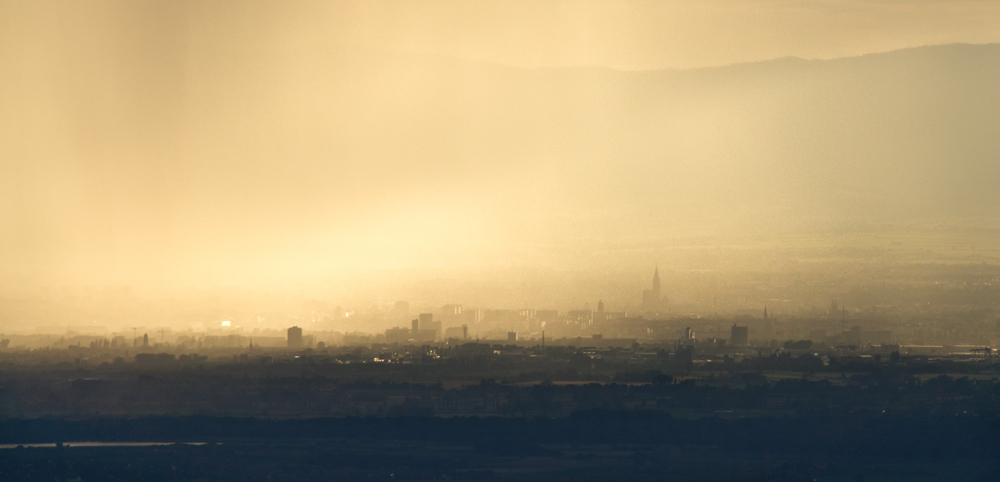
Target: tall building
739	335
424	330
652	300
425	320
429	330
295	337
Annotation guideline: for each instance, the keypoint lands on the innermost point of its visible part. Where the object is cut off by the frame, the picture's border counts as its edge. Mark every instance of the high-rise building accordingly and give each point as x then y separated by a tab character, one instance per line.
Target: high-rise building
295	337
425	329
432	331
739	335
425	320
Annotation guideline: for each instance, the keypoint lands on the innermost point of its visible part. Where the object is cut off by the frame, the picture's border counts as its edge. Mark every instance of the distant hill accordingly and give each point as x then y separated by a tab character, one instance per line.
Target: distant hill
910	133
311	158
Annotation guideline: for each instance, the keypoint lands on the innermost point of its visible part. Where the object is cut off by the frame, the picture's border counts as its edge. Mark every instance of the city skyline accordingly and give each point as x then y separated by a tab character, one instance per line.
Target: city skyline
518	240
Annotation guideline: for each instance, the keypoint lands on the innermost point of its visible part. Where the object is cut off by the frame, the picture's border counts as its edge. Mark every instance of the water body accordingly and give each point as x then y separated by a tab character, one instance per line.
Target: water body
99	444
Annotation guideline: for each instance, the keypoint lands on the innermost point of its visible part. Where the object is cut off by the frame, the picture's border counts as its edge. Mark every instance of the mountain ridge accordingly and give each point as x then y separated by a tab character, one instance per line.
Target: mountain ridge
319	155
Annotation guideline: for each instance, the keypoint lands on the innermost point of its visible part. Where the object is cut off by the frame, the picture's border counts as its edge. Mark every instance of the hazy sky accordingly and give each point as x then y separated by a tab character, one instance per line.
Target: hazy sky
621	34
247	141
667	34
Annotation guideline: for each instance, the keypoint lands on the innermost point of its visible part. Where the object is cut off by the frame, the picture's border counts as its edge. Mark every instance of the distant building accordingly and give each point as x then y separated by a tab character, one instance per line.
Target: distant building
434	327
295	337
458	332
473	316
425	329
609	316
426	336
358	339
511	336
454	314
422	330
425	320
689	333
739	335
546	315
500	316
583	317
400	336
652	300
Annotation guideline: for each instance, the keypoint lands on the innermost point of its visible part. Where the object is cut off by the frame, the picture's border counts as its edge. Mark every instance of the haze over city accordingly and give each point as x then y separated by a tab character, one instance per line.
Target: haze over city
517	240
191	144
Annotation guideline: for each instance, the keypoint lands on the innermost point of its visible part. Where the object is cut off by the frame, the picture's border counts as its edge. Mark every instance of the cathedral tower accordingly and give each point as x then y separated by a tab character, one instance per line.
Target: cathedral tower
656	282
652	300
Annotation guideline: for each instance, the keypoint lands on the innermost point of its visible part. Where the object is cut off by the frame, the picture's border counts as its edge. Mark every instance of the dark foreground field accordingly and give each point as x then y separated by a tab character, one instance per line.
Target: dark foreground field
596	445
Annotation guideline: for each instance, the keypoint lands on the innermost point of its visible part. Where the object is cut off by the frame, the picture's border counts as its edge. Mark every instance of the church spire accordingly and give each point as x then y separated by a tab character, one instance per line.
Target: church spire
656	281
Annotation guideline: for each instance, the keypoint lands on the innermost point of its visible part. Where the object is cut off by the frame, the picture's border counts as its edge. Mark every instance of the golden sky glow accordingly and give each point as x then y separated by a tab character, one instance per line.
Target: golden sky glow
240	142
